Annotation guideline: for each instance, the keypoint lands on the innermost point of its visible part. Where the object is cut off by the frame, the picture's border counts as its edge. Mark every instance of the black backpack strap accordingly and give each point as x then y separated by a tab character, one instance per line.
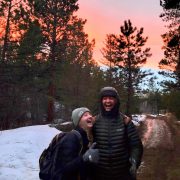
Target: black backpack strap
77	133
125	118
57	139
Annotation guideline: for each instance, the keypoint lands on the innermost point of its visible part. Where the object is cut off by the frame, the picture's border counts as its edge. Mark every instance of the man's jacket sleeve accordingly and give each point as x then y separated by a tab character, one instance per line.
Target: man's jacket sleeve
134	143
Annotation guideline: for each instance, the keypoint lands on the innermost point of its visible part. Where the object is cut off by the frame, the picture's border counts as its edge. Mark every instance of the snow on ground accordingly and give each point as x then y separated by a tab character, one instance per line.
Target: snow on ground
136	119
20	150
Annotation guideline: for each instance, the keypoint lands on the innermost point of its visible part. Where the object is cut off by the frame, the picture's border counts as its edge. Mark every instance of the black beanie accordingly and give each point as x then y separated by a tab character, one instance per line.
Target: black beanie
109	91
112	92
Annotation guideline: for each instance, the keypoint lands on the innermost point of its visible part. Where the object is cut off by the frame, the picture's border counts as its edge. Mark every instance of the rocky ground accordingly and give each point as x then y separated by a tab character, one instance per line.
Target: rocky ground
161	139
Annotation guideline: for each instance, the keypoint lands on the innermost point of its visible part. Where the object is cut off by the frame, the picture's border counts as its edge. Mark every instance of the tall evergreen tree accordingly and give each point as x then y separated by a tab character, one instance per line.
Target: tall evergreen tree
53	17
125	52
30	55
171	60
76	63
8	10
170	4
9	37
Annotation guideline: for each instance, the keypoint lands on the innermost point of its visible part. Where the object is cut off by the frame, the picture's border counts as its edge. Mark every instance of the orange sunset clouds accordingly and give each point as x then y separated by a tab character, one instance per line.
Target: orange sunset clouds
106	16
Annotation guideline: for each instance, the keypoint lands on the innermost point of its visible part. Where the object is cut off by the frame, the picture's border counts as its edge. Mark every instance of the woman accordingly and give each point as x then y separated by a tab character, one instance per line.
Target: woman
74	155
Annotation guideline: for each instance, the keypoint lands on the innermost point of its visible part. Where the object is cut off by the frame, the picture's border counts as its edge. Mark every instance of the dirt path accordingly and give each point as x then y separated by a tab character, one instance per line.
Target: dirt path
159	150
157	134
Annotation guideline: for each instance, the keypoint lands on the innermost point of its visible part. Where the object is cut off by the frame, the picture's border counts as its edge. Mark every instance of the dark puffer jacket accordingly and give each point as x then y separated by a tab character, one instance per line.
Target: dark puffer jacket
117	142
69	163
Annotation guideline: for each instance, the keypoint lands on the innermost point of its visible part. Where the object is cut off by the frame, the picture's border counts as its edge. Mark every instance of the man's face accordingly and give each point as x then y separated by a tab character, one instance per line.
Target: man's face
86	121
108	102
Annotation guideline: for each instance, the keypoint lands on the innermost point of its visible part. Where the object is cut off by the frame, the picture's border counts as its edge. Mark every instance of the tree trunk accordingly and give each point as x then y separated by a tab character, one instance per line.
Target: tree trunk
129	86
51	102
6	34
52	87
129	97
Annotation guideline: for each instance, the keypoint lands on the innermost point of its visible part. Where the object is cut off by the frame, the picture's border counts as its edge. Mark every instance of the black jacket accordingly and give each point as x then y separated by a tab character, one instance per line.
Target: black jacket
69	164
117	142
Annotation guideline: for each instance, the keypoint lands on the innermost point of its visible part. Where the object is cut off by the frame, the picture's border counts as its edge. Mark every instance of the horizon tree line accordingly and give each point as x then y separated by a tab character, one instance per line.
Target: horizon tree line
46	57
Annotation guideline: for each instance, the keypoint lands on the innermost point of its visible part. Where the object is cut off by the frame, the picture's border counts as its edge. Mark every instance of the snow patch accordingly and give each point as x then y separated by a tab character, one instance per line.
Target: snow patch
20	151
136	119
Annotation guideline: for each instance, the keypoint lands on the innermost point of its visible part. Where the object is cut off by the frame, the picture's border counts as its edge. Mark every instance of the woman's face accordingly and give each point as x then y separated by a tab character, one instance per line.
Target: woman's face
86	121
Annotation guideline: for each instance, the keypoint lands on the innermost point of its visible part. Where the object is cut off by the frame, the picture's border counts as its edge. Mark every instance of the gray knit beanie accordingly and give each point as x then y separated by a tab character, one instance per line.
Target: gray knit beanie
77	114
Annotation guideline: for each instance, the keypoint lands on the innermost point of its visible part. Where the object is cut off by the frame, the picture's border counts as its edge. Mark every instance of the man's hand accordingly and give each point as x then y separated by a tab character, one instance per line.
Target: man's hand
91	155
133	168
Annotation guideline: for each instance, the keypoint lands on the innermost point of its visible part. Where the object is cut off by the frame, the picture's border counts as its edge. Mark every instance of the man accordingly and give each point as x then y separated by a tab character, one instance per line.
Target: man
74	155
120	148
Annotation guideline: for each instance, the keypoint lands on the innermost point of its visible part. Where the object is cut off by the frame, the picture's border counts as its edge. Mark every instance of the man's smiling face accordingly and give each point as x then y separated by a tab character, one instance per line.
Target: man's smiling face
109	102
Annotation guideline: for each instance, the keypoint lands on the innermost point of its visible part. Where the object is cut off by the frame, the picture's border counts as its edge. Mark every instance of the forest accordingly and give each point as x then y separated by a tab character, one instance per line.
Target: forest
47	66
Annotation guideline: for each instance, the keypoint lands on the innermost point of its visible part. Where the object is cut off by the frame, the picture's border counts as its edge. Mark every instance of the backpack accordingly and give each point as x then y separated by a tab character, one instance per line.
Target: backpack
46	159
125	118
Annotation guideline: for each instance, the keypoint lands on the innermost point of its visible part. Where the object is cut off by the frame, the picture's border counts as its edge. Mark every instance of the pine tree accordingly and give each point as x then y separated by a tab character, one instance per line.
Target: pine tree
9	36
53	17
76	68
8	52
171	60
125	53
170	4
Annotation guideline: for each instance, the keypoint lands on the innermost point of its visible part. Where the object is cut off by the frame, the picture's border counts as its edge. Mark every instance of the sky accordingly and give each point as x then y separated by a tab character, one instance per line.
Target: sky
21	148
106	16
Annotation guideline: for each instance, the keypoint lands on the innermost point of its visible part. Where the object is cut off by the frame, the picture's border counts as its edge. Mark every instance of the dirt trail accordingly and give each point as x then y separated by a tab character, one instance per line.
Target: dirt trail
159	150
157	134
